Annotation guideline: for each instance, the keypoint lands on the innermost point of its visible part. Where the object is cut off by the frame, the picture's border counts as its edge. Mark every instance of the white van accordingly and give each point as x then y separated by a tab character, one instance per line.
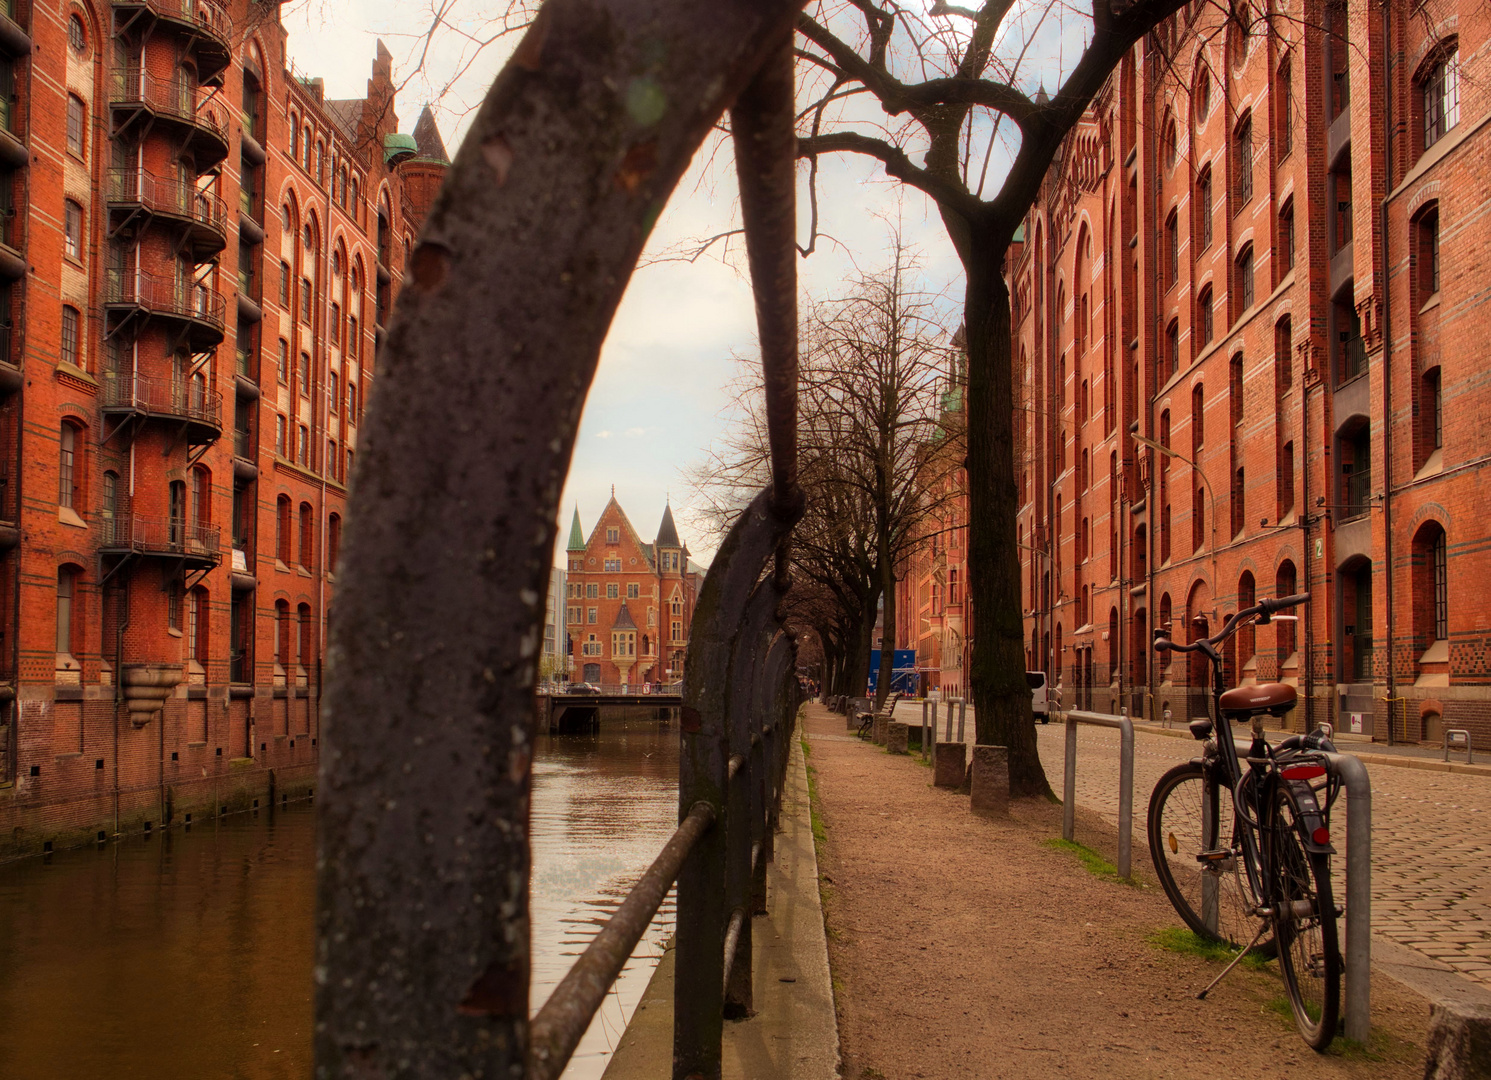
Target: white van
1039	699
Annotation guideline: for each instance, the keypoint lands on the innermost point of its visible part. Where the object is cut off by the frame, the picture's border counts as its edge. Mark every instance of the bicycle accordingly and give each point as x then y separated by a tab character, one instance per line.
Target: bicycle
1243	851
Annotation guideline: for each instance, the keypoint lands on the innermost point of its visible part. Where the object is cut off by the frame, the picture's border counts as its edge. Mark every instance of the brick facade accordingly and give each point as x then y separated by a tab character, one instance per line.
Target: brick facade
201	258
1203	272
629	605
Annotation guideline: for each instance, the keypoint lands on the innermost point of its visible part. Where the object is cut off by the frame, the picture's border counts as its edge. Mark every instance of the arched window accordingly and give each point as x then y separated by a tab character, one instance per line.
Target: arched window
1431	597
282	529
71	327
1242	167
1284	629
307	536
69	487
293	148
176	513
1247	596
282	632
1203	332
1203	209
1439	95
1244	278
77	35
304	652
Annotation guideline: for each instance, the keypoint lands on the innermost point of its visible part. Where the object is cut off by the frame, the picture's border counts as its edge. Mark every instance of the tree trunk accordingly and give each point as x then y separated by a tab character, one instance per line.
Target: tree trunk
857	662
1000	693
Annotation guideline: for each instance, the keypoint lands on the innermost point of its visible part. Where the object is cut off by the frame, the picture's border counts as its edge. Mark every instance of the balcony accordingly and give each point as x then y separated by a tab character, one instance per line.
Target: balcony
12	262
173	101
200	308
13	152
203	214
123	533
13	39
183	400
206	26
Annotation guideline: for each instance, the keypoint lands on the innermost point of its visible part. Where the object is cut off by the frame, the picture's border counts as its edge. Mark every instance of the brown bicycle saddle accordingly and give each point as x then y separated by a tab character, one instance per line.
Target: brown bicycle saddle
1272	698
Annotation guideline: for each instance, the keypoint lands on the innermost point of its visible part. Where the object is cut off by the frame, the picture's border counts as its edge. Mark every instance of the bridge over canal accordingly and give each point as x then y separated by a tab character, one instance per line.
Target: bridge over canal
567	713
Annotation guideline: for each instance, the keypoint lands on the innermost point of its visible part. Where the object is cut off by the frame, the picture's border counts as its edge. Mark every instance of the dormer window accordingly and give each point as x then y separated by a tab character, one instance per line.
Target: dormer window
613	534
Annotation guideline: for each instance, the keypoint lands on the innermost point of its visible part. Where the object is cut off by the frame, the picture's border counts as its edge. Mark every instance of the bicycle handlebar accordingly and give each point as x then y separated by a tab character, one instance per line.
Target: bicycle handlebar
1265	607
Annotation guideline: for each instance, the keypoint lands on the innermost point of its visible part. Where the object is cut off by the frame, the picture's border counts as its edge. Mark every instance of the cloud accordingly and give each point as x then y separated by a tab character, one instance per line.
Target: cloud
602	434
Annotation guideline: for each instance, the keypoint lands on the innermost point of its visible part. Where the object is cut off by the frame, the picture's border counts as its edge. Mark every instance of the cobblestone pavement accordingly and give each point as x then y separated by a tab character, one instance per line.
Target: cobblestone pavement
1431	840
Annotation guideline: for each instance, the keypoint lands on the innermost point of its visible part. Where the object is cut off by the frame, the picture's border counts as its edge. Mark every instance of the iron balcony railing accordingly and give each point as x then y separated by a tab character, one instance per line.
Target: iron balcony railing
125	532
207	17
186	398
1353	358
1358	490
172	97
166	296
161	195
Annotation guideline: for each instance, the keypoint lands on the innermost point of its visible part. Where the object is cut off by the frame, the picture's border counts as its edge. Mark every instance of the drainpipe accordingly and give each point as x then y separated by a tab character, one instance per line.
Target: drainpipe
326	405
1387	348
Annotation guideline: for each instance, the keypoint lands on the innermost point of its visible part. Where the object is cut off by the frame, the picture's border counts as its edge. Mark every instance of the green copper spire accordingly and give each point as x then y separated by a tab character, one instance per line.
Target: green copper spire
576	536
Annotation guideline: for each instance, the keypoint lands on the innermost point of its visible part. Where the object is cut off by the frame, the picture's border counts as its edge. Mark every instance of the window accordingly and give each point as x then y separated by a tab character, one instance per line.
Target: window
352	416
1340	198
613	592
1203	319
1245	280
284	284
352	338
1286	481
1198	518
1283	110
294	146
333	540
613	565
1172	250
304	654
333	393
77	125
572	616
1172	347
336	324
1439	557
305	300
72	230
1430	415
197	624
1440	97
321	163
77	37
283	374
1203	96
70	351
1198	419
677	630
67	579
633	592
1203	209
592	591
307	536
1428	253
1238	509
613	534
68	488
592	615
1242	143
305	373
1283	355
279	435
173	606
1286	235
303	446
282	529
1169	144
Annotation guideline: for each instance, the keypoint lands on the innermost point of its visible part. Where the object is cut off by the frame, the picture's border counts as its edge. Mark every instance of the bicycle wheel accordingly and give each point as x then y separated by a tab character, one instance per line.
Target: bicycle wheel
1189	815
1304	926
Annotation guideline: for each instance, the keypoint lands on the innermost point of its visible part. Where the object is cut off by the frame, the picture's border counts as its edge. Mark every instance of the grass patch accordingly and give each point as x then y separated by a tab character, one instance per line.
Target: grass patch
1179	939
1094	863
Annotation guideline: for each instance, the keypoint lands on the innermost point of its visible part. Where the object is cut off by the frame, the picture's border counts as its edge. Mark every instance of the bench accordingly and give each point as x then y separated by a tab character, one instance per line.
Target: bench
867	719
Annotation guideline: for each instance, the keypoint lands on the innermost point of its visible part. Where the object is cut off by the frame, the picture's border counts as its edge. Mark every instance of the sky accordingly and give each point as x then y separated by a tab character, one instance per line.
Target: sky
661	394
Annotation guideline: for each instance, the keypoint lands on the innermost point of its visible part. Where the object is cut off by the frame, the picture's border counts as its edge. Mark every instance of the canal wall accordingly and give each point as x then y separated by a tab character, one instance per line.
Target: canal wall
93	774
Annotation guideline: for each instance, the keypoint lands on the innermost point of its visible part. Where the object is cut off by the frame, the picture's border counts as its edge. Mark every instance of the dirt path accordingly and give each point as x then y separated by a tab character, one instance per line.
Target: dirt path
967	948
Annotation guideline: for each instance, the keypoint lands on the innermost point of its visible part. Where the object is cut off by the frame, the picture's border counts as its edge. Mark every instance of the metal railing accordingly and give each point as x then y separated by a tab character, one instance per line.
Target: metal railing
205	16
165	296
1460	735
243	444
1125	727
172	97
644	689
165	397
162	195
119	532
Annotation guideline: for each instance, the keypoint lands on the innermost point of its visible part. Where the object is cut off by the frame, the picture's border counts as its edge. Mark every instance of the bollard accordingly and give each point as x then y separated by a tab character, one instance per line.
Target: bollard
962	715
897	737
1125	727
1357	1007
991	781
949	736
926	750
950	765
1459	733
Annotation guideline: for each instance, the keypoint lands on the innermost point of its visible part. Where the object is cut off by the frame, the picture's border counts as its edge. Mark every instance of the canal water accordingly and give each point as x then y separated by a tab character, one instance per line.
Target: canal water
188	956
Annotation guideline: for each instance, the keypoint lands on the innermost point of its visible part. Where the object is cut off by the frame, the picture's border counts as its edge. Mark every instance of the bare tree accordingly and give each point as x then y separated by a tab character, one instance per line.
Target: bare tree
874	438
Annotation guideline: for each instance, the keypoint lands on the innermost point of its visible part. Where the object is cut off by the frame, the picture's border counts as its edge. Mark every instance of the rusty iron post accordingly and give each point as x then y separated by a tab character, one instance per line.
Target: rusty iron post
698	1000
422	961
746	697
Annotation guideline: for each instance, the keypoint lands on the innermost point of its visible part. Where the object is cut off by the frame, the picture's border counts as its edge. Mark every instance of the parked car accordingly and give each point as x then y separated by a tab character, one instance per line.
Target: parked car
1039	697
582	688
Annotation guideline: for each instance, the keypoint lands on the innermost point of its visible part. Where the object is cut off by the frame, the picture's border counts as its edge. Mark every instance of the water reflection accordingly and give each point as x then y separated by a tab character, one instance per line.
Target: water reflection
187	956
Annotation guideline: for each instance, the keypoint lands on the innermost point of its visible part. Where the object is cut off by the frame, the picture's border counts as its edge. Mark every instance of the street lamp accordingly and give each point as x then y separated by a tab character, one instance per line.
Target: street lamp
1210	494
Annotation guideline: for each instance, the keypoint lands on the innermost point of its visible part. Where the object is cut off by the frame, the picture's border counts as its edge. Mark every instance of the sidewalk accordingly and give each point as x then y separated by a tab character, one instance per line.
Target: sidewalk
1402	755
794	1033
967	947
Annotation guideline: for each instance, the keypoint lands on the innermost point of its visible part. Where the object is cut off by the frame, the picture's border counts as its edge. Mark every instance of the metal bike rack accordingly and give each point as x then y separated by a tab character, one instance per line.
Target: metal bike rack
1125	781
1469	755
1357	1005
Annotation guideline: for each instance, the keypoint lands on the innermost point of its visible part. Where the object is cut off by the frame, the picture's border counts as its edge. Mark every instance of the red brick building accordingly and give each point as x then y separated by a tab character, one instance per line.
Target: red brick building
198	256
629	605
1250	325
